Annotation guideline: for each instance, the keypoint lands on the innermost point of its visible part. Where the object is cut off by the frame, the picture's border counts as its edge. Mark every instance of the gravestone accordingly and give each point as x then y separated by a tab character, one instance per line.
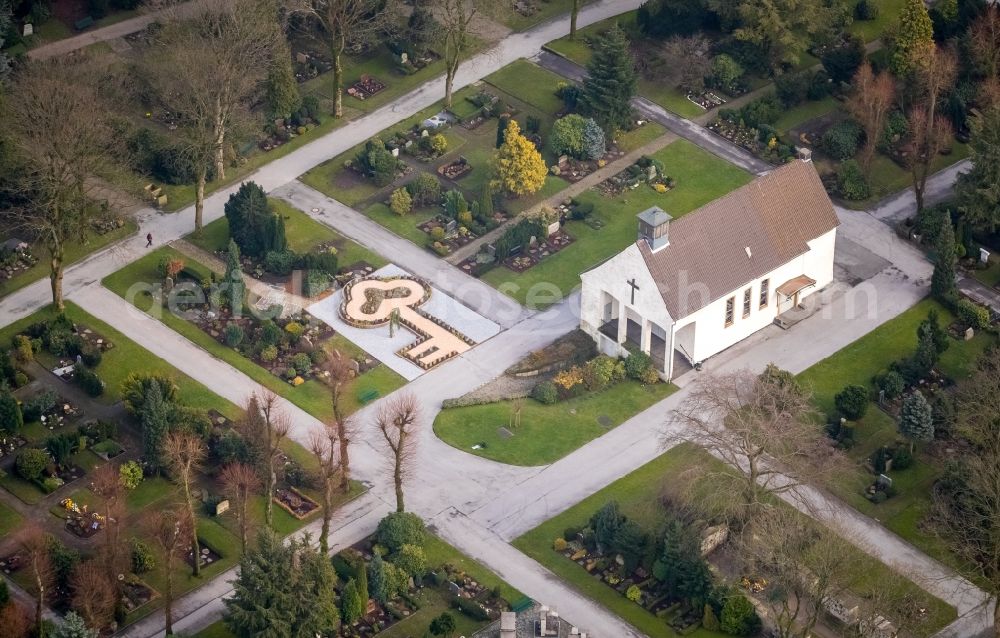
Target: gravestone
883	480
29	30
984	256
451	226
222	507
425	133
395	152
651	173
354	365
504	433
491	250
404	58
533	241
168	283
969	333
553	228
454	589
301	58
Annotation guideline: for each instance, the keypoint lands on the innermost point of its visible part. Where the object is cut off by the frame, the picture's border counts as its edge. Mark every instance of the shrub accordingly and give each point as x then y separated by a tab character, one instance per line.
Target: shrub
470	608
23	351
31	462
566	137
896	128
280	262
852	402
545	393
819	85
143	559
376	162
268	353
739	618
852	182
270	333
972	314
725	70
38	405
401	528
892	384
11	418
302	363
602	371
401	202
866	10
437	144
425	190
455	203
294	329
841	61
411	559
792	88
650	376
559	544
901	458
91	356
636	364
88	380
841	140
764	110
234	334
130	475
634	594
437	233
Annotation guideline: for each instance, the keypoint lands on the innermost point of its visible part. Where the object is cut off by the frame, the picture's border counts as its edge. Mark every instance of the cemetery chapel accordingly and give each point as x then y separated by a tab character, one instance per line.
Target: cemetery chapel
690	288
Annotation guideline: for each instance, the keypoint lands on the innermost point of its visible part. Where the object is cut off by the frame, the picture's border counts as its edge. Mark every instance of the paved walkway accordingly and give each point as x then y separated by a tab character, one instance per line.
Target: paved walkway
981	293
102	34
574	189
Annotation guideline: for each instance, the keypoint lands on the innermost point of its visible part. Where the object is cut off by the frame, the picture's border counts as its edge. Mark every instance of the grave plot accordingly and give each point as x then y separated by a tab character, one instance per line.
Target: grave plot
15	258
365	88
381	314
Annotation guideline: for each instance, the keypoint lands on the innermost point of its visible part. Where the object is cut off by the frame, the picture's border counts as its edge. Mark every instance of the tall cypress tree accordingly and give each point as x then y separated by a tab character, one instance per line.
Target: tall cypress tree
943	279
611	84
502	123
915	34
283	96
11	419
155	421
234	285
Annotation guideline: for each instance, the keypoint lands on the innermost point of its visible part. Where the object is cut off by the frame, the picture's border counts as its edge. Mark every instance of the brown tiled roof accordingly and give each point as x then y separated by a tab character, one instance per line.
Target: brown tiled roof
773	216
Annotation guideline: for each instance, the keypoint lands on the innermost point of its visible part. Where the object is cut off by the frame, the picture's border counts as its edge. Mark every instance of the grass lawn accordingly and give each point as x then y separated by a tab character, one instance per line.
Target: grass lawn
125	358
9	520
989	276
804	112
302	232
530	83
872	29
217	629
857	364
547	432
637	495
312	396
75	251
701	177
28	493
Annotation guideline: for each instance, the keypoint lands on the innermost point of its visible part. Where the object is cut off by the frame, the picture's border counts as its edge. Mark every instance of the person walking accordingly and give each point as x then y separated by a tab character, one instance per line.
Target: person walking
149	239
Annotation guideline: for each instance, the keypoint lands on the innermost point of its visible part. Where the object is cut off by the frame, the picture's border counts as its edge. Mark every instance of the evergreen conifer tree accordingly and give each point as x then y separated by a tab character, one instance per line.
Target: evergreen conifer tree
233	281
916	419
155	421
943	280
11	419
914	35
283	96
611	84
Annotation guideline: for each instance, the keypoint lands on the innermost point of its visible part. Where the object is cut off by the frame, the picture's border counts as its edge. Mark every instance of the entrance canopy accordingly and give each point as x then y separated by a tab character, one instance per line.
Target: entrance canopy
794	286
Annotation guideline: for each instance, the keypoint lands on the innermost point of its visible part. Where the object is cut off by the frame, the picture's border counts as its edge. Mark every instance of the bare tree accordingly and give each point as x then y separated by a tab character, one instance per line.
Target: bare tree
339	375
574	13
171	530
929	131
266	426
239	482
984	39
805	565
34	550
762	426
870	103
184	454
324	446
16	620
456	18
208	66
684	61
349	23
106	483
398	420
58	136
95	593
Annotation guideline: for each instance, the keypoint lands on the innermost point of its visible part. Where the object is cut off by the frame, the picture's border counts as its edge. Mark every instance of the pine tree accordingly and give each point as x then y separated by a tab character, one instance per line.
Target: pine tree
155	421
914	35
73	627
611	84
978	189
916	419
518	166
351	606
943	280
486	200
249	217
362	582
283	97
233	280
11	419
606	522
278	240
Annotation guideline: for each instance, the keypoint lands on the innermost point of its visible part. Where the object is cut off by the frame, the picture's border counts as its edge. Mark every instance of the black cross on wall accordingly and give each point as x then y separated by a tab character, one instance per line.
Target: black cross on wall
631	282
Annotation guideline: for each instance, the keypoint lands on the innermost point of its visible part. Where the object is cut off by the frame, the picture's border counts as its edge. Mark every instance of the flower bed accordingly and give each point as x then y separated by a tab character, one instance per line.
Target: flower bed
539	251
295	502
207	554
15	258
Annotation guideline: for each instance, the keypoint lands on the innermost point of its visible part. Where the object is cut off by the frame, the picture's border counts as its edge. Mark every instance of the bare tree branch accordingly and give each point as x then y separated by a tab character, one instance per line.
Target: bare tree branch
398	420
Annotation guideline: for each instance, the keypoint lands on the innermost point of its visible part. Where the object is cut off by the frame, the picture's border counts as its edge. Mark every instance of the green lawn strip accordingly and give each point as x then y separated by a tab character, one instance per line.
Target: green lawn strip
639	137
804	112
312	396
75	252
886	177
638	497
530	83
701	177
872	30
403	225
857	364
546	432
217	629
10	520
669	97
28	493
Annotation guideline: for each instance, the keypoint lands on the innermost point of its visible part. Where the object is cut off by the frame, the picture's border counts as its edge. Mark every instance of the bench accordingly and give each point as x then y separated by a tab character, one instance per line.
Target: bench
367	395
83	23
